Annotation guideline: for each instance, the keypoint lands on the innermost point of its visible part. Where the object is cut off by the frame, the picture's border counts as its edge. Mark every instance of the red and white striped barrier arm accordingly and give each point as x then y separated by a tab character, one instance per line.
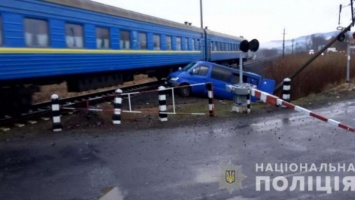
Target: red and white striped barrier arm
274	100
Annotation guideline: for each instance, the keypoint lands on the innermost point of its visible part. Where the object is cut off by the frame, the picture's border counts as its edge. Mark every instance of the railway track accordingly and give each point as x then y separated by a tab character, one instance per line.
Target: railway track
42	111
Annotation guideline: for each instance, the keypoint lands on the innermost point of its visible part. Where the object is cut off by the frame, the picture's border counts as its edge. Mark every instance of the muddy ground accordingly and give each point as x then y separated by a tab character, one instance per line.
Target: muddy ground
95	123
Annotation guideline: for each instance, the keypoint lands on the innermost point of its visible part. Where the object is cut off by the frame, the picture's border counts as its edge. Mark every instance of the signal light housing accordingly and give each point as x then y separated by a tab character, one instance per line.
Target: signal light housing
253	45
341	38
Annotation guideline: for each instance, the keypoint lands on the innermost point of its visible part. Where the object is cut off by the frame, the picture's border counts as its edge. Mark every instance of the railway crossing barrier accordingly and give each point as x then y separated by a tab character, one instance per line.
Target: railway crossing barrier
274	100
118	100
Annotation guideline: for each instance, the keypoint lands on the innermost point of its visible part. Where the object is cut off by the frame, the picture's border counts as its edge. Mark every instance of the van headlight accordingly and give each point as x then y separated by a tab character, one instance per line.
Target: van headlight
174	78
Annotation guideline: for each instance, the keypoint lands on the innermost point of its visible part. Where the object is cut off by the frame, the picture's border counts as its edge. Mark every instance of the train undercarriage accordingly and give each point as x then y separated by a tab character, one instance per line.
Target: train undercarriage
16	97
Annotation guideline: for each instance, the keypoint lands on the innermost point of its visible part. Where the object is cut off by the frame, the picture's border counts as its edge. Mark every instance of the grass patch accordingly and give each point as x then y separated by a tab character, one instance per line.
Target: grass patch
321	74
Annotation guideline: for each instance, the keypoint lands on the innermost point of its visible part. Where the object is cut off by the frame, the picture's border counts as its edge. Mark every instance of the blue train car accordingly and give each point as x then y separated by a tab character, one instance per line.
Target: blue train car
91	45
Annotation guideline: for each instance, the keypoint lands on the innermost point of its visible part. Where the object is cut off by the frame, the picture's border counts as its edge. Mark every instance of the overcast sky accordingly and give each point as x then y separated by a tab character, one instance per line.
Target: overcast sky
261	19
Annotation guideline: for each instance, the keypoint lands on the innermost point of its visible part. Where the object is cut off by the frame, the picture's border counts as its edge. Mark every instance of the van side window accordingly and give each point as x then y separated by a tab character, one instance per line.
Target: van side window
252	81
246	79
235	79
200	70
220	73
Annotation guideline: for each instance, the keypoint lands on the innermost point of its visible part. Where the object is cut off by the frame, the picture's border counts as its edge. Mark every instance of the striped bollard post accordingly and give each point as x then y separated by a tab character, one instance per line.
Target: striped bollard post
286	89
210	99
249	102
163	116
57	125
117	104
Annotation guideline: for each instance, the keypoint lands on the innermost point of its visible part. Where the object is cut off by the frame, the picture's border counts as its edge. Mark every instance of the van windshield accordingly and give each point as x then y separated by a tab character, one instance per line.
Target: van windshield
189	66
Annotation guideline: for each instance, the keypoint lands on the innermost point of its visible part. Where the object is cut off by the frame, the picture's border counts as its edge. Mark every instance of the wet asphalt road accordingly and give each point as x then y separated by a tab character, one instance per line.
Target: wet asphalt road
178	163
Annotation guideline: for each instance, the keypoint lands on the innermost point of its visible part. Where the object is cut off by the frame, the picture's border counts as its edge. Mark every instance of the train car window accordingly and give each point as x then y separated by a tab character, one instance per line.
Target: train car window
74	36
178	43
156	39
168	43
221	73
193	45
215	46
36	33
102	38
125	40
197	44
142	40
184	43
200	70
1	31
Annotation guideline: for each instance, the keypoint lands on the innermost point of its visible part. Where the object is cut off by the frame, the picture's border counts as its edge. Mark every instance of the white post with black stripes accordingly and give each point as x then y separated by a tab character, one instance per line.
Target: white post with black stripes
209	87
286	89
163	116
57	125
117	104
249	102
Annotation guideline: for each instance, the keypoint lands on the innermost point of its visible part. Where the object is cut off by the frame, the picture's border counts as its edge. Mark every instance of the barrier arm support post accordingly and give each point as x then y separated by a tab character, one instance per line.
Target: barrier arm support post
209	87
163	116
116	118
57	125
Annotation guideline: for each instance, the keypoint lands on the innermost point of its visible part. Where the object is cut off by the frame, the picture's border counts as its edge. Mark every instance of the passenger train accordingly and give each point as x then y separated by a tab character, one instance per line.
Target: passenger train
91	45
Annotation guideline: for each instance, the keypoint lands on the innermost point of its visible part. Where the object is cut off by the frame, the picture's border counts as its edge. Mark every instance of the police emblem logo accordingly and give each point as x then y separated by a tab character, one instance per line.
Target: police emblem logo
230	176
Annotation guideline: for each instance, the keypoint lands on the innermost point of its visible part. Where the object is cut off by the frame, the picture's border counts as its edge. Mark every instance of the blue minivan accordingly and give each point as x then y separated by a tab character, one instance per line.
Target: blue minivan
218	75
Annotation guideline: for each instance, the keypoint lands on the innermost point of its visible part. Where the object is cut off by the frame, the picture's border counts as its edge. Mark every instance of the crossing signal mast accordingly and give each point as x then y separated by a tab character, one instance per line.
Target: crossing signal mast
340	37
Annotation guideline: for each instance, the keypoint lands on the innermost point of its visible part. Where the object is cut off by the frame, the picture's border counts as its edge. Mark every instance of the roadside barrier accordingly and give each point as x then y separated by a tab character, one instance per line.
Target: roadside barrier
117	104
209	87
163	116
118	100
57	125
249	102
286	90
274	100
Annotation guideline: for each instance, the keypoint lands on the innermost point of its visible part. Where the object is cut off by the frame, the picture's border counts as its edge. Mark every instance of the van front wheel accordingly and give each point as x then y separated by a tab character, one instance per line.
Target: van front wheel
185	90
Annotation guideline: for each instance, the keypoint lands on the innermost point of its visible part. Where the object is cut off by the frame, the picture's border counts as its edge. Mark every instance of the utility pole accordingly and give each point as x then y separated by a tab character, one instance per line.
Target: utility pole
283	44
201	14
292	44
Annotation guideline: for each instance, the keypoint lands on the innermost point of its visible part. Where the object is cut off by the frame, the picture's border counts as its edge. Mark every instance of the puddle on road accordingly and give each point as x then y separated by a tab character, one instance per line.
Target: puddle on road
207	175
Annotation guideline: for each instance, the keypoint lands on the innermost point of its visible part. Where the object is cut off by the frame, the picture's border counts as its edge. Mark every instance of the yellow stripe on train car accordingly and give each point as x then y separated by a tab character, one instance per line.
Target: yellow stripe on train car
88	51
